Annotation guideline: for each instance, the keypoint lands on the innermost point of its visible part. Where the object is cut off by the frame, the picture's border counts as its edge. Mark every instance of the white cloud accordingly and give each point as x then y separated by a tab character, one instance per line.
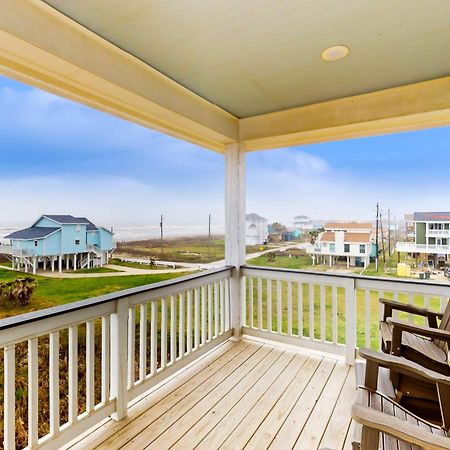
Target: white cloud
284	184
109	201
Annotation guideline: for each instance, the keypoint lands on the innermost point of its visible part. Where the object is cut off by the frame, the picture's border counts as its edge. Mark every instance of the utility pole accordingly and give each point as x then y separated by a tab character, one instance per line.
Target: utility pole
209	234
376	238
382	238
161	226
389	231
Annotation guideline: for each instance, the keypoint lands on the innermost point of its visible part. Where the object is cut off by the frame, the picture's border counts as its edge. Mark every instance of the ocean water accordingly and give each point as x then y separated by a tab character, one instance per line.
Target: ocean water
142	232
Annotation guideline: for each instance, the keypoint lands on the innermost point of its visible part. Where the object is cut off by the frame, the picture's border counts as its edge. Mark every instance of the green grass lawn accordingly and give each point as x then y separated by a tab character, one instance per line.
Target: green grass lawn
58	291
294	262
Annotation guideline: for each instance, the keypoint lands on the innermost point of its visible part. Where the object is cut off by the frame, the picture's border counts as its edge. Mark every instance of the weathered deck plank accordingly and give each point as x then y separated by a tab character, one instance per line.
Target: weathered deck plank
245	395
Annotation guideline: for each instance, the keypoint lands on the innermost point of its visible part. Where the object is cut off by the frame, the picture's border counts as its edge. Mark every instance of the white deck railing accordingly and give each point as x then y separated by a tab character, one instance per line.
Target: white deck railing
328	312
65	369
121	344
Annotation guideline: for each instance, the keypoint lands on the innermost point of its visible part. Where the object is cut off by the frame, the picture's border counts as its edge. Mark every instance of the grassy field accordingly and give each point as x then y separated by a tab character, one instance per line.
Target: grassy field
58	291
194	249
298	260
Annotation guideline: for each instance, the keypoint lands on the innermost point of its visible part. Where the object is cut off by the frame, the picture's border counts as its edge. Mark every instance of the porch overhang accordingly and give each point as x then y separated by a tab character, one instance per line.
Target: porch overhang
48	49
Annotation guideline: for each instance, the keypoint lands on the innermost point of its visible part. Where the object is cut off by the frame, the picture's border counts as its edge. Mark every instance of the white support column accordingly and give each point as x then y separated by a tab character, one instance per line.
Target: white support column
88	260
34	264
348	262
60	263
75	262
67	261
44	263
52	262
235	226
331	260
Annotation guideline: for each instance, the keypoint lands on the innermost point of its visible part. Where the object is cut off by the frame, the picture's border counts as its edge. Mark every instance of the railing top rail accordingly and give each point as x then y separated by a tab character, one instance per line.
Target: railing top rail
348	276
24	319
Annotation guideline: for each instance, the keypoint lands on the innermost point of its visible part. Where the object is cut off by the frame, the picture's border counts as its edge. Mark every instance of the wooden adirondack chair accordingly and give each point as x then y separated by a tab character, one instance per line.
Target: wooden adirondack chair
381	423
425	345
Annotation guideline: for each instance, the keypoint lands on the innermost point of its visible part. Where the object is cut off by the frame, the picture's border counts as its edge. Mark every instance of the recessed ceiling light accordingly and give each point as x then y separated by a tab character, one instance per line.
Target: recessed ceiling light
335	53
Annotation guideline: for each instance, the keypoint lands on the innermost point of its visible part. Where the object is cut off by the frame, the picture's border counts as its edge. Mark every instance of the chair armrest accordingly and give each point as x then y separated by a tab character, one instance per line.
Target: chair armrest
390	305
398	428
433	333
402	365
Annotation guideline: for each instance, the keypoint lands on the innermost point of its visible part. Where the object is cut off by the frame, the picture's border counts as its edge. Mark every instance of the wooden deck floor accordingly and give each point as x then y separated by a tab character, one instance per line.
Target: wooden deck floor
243	395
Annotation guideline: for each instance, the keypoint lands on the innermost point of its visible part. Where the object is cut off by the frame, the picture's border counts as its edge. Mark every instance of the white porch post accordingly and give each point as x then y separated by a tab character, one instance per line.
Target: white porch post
60	263
235	226
75	262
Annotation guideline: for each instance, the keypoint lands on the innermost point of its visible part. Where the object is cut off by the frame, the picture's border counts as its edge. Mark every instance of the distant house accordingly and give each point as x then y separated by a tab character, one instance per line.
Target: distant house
303	223
63	241
292	234
431	232
351	242
255	229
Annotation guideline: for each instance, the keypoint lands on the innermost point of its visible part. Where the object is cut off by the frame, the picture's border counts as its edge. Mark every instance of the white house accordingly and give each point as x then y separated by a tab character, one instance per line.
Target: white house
351	242
431	237
303	223
255	229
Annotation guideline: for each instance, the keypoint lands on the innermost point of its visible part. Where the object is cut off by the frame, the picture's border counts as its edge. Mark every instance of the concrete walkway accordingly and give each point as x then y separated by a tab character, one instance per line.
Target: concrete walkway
124	272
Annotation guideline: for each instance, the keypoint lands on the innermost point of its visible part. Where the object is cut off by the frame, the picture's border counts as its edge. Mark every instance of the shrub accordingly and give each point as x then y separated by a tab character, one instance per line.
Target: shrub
19	291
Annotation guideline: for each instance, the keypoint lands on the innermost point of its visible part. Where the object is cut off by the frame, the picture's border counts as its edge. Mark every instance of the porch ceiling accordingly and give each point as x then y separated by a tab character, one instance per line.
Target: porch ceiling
217	72
262	56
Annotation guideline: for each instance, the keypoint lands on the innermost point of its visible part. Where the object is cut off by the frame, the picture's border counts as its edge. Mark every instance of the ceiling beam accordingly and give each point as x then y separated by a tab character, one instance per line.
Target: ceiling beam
410	107
44	48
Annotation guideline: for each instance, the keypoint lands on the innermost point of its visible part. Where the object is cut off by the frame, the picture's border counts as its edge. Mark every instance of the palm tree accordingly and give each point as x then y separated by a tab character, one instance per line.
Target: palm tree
20	290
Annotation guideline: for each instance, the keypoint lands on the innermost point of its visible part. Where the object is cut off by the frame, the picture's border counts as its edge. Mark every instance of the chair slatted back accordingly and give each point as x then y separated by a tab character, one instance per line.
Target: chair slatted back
444	325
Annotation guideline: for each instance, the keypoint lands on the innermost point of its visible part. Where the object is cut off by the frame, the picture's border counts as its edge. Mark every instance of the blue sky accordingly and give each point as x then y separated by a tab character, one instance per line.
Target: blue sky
61	157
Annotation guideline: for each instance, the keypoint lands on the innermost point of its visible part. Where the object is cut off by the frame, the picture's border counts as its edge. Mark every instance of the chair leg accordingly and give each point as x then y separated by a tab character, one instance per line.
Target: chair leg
370	438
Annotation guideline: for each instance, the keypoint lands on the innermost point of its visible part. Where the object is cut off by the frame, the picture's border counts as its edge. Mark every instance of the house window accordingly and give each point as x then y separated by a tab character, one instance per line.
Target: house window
332	247
347	248
362	248
35	243
446	226
77	242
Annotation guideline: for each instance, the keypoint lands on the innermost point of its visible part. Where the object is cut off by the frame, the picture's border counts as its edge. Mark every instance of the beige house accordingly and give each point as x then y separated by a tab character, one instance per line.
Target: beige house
344	241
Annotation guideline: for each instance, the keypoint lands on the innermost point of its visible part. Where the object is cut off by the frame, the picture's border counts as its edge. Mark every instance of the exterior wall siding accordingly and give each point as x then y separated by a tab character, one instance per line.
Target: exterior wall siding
105	240
93	238
70	235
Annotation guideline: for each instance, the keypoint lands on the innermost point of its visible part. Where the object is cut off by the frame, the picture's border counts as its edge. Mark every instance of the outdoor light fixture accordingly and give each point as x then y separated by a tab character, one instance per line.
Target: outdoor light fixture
335	53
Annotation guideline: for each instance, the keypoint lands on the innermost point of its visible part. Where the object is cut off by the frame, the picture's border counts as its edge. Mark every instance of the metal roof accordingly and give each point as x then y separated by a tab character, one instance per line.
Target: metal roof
65	218
427	216
32	233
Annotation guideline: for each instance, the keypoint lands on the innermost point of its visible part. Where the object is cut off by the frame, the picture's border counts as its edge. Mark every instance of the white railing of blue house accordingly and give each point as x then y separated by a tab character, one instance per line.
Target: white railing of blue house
328	312
184	318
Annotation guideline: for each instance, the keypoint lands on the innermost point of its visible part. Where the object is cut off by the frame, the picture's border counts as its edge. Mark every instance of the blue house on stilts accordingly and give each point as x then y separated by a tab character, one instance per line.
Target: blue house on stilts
58	242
